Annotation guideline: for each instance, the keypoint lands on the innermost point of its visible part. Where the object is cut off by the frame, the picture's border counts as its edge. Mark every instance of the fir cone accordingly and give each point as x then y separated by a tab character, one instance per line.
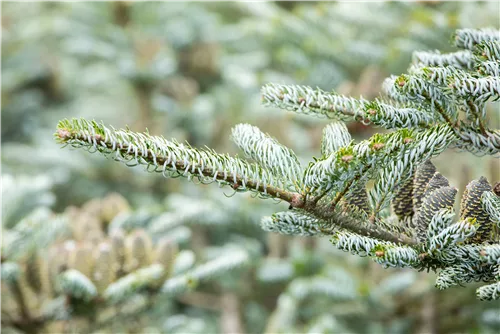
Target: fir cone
359	198
471	207
423	175
403	201
437	181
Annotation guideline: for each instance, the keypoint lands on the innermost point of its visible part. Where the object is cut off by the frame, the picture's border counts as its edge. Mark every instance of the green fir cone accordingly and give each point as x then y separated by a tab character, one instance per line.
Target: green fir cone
403	201
423	175
113	204
359	198
104	269
437	181
118	247
438	199
81	258
87	226
471	207
165	253
138	251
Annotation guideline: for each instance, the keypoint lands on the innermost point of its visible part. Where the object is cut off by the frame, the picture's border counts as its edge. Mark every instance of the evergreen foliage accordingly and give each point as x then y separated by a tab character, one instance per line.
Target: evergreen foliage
431	108
192	71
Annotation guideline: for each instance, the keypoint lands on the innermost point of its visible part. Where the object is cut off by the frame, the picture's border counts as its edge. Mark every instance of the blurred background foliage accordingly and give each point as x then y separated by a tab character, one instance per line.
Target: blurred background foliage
191	71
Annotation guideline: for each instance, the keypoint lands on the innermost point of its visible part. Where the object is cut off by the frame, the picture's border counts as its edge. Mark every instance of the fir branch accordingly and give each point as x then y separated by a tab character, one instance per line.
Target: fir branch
417	88
491	254
489	68
425	106
468	38
205	272
357	222
489	292
304	99
268	152
161	155
461	274
440	221
412	147
355	243
460	59
454	234
491	204
476	89
474	141
460	253
77	285
396	256
147	277
335	136
488	50
392	93
293	223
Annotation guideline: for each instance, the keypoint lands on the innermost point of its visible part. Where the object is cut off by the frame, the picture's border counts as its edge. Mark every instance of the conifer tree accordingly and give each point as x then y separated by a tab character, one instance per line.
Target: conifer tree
442	102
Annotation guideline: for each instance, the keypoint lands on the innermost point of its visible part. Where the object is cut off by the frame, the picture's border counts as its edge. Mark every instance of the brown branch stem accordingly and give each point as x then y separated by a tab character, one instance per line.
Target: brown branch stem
473	109
456	127
356	226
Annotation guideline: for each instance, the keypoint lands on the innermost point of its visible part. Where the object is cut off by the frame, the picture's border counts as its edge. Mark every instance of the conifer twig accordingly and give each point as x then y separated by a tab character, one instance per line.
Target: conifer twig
92	135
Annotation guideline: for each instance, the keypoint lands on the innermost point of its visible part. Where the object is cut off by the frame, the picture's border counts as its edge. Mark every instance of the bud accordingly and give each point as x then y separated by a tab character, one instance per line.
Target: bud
379	253
347	158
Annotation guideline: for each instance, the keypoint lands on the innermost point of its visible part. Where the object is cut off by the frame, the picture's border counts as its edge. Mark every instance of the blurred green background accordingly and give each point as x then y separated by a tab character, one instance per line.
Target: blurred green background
191	71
